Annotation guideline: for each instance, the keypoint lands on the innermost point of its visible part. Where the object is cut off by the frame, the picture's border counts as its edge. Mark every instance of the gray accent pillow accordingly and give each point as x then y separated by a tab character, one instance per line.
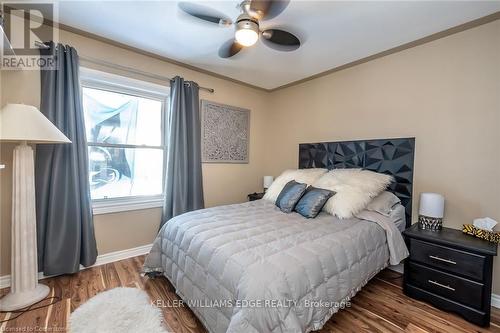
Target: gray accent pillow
313	201
383	203
290	195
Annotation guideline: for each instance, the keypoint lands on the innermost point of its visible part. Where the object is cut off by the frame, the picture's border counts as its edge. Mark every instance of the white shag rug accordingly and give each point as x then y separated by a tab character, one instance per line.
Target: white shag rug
119	310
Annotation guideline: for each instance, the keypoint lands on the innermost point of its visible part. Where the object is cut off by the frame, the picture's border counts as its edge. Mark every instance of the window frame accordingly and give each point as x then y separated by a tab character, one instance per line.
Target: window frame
94	79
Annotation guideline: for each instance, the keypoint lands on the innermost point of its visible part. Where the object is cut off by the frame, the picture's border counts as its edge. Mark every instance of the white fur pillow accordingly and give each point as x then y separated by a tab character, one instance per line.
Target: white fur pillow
306	176
354	188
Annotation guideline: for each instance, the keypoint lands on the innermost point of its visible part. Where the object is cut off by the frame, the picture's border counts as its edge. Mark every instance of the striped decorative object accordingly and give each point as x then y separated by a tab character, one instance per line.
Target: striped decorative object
490	236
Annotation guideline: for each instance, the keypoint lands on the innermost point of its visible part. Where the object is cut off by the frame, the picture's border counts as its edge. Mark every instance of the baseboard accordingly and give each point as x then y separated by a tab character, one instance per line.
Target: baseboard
495	301
101	260
120	255
5	280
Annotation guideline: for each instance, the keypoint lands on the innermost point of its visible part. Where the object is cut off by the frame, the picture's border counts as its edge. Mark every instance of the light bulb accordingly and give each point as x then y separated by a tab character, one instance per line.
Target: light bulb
247	31
246	37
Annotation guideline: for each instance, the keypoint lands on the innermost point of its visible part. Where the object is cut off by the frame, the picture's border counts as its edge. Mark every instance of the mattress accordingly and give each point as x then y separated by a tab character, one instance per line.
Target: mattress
251	268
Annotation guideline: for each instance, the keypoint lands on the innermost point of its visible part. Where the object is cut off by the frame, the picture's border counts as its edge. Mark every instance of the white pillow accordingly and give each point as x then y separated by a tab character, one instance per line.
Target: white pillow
354	188
307	176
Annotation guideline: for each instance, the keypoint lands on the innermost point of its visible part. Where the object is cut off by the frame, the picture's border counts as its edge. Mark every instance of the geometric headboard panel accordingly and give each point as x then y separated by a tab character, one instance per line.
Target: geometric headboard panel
391	156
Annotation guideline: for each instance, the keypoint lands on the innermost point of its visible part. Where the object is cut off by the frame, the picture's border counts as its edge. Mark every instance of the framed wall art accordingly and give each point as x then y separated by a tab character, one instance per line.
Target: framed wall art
225	133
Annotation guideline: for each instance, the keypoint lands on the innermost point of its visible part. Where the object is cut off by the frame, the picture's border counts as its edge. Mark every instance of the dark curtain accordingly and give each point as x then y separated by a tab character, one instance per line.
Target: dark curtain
183	184
65	229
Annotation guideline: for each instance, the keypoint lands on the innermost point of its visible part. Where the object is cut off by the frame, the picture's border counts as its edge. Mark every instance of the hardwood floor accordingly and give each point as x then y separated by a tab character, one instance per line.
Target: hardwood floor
379	307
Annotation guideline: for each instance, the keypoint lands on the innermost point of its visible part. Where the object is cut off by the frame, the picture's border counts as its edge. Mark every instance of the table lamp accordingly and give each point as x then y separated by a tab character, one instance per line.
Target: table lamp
431	211
25	124
267	181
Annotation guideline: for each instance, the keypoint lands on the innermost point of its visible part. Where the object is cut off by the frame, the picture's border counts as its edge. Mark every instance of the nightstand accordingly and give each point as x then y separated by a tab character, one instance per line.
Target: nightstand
255	196
450	270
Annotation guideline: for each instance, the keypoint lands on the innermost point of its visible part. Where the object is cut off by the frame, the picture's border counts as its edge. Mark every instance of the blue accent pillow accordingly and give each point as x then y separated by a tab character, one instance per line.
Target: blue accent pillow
313	201
290	195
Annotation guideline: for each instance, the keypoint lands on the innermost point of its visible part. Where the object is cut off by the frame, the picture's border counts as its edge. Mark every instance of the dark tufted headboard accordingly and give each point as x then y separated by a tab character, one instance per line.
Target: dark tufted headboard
390	156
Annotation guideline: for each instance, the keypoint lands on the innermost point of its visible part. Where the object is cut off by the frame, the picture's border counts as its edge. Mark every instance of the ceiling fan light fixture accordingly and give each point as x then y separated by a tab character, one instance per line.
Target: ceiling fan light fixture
247	29
247	32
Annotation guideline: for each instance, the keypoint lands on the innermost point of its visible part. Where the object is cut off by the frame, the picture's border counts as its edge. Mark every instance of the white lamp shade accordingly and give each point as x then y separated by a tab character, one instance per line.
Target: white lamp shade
431	205
19	122
268	180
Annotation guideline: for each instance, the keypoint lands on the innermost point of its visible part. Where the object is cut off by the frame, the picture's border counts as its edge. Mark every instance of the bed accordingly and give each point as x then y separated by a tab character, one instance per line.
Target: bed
251	268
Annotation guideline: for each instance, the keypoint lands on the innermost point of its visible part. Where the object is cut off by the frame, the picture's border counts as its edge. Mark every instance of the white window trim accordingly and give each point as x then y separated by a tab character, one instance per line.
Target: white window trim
89	76
116	205
100	80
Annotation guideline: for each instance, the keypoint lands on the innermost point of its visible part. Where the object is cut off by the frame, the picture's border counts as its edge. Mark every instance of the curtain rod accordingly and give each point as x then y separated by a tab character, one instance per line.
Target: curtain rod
122	68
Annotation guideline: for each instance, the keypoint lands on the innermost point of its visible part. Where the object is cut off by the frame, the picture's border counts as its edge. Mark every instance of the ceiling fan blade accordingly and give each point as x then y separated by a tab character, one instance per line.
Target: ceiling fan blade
280	40
204	13
229	49
268	9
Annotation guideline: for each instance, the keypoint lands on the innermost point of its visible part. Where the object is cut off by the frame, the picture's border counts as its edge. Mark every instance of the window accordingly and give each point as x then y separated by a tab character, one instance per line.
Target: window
126	141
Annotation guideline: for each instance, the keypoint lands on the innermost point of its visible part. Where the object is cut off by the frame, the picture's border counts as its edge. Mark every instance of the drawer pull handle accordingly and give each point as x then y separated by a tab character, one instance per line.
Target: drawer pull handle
444	260
441	285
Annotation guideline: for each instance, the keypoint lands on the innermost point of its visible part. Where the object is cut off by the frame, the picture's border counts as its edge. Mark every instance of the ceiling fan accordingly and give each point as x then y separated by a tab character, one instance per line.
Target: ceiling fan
247	30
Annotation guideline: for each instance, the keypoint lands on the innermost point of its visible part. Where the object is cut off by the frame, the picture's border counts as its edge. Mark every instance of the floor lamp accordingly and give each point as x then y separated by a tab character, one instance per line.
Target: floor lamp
25	124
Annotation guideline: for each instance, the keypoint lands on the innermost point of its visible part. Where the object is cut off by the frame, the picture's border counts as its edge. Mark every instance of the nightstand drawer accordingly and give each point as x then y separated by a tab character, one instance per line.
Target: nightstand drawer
442	257
452	287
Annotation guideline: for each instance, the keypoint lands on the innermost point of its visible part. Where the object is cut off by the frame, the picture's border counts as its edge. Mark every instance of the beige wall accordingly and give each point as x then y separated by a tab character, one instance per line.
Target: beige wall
445	93
223	183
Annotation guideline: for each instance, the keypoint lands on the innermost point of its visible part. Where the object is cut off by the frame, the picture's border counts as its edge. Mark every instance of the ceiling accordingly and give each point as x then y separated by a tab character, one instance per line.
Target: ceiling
333	33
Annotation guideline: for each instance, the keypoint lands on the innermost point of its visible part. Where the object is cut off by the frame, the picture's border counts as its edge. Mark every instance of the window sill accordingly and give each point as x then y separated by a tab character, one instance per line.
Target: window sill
109	206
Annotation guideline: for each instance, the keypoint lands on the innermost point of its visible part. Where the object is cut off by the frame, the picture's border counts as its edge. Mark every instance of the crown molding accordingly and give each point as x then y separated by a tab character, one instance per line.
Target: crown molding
438	35
424	40
153	55
112	42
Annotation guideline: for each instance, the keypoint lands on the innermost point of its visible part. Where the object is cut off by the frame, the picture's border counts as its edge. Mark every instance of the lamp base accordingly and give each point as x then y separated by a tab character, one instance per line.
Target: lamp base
25	289
430	223
19	300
